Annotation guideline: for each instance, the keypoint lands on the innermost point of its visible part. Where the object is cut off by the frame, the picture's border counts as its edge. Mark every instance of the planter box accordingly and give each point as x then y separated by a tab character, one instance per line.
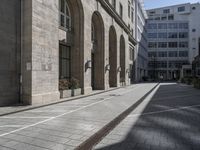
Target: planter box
65	93
76	92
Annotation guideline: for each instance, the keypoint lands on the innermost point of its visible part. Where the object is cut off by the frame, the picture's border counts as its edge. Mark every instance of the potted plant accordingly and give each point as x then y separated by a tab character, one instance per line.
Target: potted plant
122	81
75	87
64	85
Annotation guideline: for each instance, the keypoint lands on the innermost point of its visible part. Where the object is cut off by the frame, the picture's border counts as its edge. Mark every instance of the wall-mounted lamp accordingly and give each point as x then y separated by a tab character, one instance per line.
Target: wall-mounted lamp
119	69
127	71
108	67
89	64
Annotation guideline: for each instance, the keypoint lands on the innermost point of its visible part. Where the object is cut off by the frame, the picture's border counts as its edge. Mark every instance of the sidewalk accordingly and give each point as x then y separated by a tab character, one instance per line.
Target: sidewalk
69	124
19	108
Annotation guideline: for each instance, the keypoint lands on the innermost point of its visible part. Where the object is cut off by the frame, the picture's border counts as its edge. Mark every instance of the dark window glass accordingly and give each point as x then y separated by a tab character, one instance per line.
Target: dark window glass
173	54
183	54
183	25
152	44
162	35
181	9
162	54
152	54
64	62
166	11
152	26
183	35
172	26
162	26
162	44
152	35
172	35
173	44
183	44
65	18
171	17
193	30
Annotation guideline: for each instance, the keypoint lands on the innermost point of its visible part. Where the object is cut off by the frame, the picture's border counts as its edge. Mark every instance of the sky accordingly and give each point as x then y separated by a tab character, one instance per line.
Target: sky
150	4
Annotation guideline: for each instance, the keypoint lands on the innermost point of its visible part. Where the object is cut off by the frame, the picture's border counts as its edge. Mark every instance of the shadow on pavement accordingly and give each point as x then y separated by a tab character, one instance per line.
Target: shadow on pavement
166	129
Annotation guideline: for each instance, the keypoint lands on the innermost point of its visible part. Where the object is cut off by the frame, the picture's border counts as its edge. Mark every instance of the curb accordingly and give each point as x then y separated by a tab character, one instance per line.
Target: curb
99	135
62	101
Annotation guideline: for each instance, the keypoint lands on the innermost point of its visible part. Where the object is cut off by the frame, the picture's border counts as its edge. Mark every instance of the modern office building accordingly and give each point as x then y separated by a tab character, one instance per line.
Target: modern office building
43	42
141	36
173	40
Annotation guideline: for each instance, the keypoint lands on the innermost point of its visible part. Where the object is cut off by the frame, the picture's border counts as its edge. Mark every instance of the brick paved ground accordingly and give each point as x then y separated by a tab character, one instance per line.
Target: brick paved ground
169	119
66	125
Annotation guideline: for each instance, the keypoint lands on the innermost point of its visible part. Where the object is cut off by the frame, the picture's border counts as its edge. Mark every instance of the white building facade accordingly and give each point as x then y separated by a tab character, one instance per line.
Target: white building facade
173	39
141	37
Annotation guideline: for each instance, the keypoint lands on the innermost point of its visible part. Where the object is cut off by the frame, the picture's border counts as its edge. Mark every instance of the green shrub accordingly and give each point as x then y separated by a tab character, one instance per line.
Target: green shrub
189	80
182	80
74	83
196	83
64	84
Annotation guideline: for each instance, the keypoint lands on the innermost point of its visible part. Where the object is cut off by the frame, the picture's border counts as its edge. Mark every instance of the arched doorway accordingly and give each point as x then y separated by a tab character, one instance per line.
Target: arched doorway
122	60
113	57
71	48
97	53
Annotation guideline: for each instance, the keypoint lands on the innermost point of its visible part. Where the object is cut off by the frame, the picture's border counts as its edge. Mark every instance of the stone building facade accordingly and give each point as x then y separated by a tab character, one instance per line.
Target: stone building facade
44	41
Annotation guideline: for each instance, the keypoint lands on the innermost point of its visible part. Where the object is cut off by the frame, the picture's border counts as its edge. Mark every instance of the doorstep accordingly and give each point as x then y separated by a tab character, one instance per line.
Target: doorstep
20	108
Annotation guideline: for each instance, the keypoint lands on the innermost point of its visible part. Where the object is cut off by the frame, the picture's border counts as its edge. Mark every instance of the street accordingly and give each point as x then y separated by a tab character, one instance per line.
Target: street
169	119
69	124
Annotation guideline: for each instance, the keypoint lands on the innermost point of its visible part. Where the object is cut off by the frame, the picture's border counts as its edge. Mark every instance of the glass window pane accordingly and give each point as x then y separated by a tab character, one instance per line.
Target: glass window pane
62	20
62	6
64	68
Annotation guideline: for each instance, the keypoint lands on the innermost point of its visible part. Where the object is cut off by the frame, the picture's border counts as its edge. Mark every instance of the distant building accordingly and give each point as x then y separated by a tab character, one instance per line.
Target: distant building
141	37
173	40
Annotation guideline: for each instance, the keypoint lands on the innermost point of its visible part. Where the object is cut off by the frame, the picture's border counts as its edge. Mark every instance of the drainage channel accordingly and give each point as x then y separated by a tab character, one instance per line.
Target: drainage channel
99	135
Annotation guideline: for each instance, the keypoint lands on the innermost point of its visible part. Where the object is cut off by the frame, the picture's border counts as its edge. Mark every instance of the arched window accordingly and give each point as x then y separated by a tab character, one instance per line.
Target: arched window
65	16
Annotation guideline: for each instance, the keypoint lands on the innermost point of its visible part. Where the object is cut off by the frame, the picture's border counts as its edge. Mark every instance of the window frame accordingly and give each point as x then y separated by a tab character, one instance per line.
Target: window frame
64	14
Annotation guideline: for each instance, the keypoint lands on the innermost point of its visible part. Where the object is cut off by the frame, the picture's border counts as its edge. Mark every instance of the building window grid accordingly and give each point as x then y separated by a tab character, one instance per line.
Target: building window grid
166	11
65	16
181	28
181	9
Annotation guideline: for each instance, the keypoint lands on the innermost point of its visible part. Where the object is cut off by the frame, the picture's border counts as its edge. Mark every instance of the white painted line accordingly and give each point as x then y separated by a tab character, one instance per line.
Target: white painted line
16	117
49	119
173	97
163	111
12	126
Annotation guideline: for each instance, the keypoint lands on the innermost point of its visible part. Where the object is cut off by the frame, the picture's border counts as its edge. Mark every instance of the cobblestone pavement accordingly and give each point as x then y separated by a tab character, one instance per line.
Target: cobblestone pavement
66	125
168	119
